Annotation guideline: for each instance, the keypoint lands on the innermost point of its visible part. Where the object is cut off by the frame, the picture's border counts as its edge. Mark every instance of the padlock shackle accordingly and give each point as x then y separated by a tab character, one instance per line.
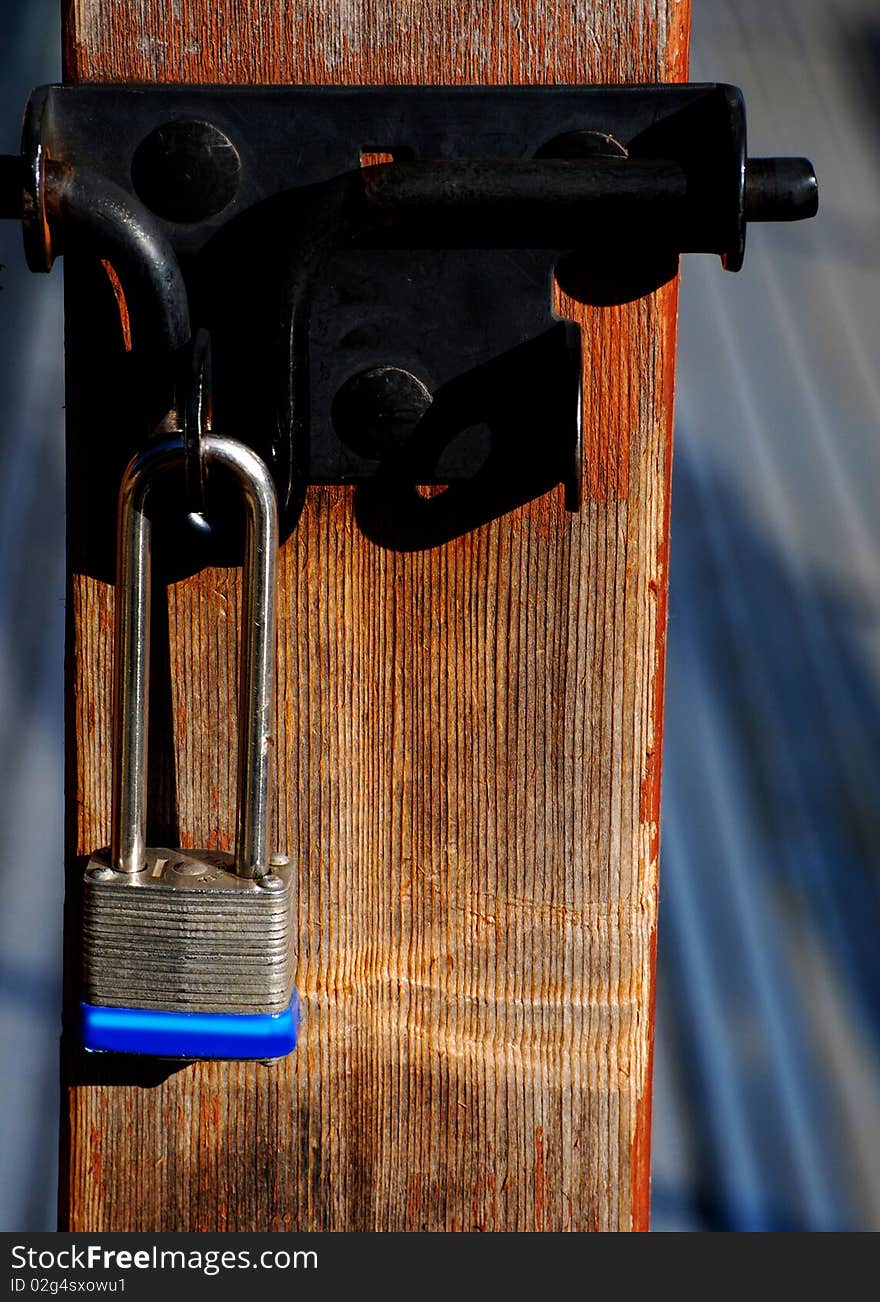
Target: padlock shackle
132	651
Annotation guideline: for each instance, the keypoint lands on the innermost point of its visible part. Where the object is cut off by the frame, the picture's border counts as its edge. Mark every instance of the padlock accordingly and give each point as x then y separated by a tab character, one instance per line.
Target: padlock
189	953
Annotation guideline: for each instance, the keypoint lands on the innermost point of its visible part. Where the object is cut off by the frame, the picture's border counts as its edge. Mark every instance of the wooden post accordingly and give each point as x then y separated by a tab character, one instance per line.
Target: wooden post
468	752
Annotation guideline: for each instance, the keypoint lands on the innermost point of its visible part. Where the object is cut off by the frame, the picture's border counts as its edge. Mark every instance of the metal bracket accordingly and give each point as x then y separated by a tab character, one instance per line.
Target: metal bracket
375	265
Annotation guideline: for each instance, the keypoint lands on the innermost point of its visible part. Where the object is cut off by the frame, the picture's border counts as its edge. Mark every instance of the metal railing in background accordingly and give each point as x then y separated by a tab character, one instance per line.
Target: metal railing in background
31	657
770	857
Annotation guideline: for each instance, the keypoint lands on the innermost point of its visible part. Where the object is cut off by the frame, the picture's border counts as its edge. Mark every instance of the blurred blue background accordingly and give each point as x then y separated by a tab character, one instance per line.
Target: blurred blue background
767	1094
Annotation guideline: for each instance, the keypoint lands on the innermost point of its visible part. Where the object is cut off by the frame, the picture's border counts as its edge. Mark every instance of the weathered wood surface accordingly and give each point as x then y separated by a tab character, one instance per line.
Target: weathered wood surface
468	755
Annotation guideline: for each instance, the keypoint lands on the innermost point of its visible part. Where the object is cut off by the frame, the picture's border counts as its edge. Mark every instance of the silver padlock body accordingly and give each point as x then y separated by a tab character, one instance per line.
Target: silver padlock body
187	934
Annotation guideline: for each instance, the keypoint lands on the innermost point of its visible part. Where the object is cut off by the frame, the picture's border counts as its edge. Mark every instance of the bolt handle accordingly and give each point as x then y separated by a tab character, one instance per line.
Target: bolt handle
780	190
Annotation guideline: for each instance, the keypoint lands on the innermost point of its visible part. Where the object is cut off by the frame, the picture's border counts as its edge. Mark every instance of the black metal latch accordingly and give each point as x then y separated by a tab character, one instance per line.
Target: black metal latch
373	266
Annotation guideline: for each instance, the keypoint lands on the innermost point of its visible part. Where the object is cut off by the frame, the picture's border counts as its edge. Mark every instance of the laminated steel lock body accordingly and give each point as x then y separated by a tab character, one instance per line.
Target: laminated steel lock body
189	954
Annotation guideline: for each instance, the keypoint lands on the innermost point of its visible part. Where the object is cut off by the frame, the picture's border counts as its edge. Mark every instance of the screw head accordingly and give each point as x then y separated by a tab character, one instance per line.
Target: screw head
186	171
271	883
279	860
375	411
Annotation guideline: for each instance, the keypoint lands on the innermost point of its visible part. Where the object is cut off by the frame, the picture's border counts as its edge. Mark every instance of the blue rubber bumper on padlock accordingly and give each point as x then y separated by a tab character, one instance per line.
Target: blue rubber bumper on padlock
190	1035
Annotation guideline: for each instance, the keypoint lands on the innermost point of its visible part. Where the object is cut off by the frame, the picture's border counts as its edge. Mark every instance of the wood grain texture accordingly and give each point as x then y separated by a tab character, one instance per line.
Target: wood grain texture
468	755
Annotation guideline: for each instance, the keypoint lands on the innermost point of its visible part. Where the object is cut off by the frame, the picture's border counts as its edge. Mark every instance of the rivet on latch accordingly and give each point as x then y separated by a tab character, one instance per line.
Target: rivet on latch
186	171
376	411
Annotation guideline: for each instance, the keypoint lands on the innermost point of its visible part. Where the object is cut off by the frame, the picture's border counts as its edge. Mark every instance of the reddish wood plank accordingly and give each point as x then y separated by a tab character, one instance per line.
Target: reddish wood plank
469	755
